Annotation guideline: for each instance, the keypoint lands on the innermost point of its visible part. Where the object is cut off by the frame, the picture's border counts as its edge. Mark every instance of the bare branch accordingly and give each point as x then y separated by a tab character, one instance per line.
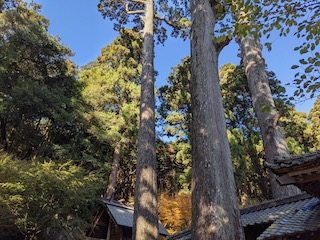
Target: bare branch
136	12
131	12
139	1
166	20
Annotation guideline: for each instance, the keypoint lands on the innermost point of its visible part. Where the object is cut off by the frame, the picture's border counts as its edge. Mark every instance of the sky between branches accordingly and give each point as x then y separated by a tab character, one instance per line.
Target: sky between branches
82	28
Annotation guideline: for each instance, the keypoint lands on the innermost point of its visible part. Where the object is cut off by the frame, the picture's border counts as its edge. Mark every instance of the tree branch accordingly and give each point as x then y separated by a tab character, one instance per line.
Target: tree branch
135	12
220	46
166	20
131	12
139	1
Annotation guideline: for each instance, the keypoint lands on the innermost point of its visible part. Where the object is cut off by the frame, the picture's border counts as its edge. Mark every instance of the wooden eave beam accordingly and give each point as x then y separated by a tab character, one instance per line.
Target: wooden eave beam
300	176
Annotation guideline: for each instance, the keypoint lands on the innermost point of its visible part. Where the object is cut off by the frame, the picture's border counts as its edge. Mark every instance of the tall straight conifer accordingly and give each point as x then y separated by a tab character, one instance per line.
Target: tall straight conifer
215	213
264	106
145	223
148	16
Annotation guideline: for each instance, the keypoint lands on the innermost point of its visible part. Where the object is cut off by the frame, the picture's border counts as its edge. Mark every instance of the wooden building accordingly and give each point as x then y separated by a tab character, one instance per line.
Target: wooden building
114	221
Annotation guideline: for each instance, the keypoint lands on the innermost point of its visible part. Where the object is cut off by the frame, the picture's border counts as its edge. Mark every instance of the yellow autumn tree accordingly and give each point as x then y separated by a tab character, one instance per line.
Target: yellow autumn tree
175	211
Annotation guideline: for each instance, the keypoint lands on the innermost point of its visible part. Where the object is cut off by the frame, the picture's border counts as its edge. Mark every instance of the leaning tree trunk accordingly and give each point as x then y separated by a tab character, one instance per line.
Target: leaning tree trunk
215	213
112	183
145	223
273	140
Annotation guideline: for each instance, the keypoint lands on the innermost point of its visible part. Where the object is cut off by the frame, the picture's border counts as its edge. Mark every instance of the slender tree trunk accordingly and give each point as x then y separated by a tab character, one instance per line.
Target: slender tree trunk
215	213
112	183
273	140
258	169
145	223
3	133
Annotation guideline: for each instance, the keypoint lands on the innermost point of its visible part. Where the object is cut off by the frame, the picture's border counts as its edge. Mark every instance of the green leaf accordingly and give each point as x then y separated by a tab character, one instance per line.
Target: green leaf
304	50
308	69
281	89
268	45
303	61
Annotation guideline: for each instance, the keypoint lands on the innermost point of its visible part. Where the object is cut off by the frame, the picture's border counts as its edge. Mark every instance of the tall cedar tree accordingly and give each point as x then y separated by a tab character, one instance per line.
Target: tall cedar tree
145	223
147	18
215	213
264	106
267	114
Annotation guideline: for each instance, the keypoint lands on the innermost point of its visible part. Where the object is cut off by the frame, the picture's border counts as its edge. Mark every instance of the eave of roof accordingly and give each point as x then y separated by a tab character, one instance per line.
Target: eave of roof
123	215
301	170
284	164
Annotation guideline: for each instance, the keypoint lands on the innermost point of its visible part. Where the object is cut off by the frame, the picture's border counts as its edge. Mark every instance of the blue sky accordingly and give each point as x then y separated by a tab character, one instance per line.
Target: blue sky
82	28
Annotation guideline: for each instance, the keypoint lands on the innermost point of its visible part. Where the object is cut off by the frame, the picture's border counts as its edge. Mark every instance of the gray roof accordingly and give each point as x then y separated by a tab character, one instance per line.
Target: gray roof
183	235
295	160
270	211
304	220
123	215
287	217
281	164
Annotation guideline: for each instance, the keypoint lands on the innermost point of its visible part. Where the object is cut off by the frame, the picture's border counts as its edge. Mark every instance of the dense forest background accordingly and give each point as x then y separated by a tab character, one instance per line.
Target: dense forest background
60	127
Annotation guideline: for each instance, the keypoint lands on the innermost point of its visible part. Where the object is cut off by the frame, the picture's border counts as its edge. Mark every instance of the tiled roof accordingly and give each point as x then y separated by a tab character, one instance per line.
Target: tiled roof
183	235
306	219
270	211
287	216
123	215
281	164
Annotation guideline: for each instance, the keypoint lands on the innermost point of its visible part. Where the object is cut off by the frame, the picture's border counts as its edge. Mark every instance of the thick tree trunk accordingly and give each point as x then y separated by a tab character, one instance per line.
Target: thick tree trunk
112	183
273	140
145	224
215	213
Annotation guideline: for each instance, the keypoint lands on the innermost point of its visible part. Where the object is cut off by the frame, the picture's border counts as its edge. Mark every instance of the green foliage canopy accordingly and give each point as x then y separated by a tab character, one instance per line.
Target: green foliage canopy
242	126
282	18
37	195
38	87
111	94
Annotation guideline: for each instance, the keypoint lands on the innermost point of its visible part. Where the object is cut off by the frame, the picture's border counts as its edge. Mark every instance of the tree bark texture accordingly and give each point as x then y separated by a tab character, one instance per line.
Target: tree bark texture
273	140
215	213
112	183
145	224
